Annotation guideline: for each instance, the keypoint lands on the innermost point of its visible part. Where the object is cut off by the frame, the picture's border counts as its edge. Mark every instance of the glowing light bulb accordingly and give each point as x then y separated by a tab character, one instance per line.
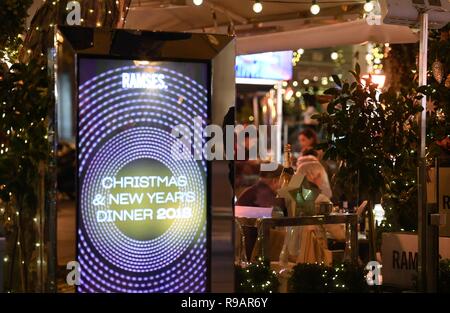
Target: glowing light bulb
378	211
315	8
198	2
368	6
257	7
334	56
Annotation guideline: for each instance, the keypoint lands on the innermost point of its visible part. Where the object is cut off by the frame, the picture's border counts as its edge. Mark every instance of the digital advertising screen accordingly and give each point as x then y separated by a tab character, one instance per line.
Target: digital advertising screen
268	65
142	221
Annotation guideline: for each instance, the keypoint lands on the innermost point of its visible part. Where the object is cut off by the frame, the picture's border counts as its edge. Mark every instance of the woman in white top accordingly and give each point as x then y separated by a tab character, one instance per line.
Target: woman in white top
309	243
309	165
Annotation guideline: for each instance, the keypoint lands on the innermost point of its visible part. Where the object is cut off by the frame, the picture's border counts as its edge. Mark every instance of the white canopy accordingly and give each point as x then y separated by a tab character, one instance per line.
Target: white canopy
347	33
284	25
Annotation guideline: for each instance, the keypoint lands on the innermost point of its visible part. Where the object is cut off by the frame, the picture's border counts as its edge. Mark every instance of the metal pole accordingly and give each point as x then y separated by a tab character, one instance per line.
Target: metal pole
422	187
433	238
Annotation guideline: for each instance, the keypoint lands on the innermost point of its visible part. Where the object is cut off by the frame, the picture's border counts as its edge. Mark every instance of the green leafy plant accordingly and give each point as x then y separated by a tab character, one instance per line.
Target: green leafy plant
12	14
349	278
257	277
403	75
319	278
438	121
23	156
309	278
26	108
373	137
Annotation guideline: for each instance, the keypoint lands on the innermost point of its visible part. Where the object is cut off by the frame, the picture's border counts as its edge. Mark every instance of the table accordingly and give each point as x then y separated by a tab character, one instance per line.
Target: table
349	219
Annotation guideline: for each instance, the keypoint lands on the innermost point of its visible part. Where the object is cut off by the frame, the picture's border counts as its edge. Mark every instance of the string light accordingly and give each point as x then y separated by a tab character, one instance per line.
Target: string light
296	56
334	56
368	6
198	2
257	7
258	277
315	8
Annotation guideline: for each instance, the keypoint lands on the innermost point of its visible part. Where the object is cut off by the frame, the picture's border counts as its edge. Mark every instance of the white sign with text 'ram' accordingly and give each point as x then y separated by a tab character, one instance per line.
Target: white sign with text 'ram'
400	259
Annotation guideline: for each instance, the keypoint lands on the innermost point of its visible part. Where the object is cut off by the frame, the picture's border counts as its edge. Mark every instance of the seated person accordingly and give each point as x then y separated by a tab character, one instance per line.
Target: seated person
309	243
307	140
309	165
261	194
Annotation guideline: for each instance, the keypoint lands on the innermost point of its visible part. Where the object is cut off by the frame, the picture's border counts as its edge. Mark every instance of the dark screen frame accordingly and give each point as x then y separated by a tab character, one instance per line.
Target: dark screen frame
208	64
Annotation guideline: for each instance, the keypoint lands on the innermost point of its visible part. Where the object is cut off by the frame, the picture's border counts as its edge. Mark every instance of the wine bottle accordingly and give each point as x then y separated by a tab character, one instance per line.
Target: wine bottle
288	171
284	179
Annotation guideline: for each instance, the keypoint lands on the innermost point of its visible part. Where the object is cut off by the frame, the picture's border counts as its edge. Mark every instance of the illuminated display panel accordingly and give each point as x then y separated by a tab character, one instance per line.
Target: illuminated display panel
267	65
142	222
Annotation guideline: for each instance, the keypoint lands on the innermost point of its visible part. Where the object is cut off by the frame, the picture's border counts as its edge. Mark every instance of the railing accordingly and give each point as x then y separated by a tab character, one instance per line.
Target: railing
265	224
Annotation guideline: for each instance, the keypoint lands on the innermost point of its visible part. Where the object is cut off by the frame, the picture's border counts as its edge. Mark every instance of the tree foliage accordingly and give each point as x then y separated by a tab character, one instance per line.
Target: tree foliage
13	14
373	136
